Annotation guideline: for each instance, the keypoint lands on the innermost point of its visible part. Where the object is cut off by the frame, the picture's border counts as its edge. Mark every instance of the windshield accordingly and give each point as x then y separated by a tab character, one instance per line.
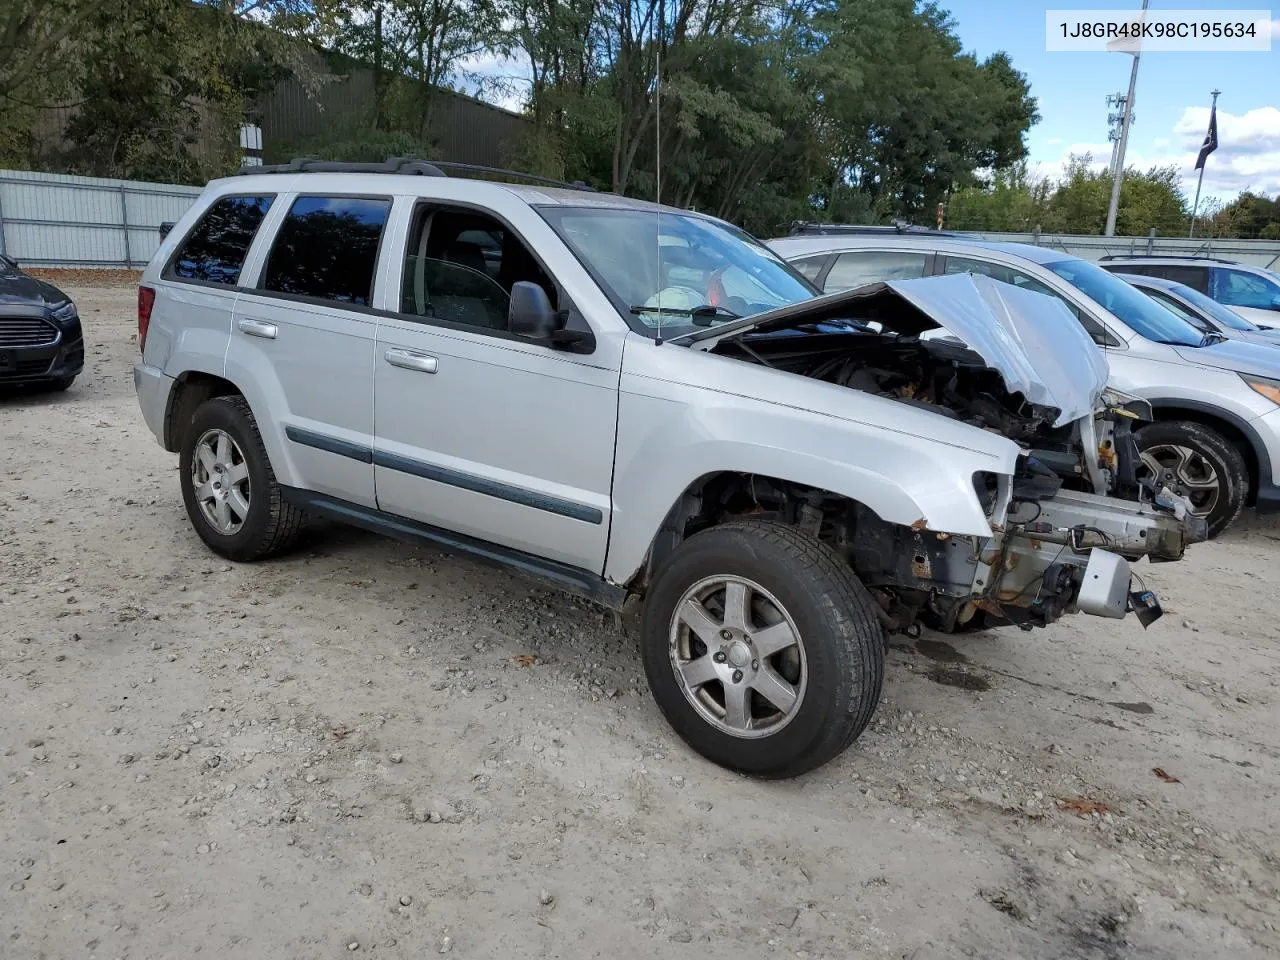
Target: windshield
1213	309
1130	305
678	271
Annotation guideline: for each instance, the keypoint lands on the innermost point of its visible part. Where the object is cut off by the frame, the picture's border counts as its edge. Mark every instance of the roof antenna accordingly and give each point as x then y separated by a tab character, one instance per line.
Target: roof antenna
657	155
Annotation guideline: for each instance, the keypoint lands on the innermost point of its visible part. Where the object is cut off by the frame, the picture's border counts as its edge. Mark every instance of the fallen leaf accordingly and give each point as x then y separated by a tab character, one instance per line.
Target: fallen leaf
1166	777
1084	806
526	660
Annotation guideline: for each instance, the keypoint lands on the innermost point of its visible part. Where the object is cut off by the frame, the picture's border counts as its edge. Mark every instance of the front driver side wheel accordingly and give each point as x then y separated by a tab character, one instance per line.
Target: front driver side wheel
762	648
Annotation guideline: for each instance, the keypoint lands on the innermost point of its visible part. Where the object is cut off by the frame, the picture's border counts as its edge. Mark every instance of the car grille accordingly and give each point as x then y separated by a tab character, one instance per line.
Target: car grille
26	332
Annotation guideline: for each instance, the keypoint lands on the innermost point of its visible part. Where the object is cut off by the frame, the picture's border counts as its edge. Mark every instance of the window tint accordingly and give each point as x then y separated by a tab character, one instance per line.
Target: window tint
1236	288
1197	278
855	269
1169	303
327	248
215	250
811	266
460	266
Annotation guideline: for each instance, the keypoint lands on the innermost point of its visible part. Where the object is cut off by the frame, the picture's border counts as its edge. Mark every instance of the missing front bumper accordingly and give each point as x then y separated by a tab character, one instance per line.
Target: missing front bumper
1071	553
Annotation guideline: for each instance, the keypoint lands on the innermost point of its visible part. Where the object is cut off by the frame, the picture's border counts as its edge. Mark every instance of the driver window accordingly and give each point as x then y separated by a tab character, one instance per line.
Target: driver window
459	266
1236	288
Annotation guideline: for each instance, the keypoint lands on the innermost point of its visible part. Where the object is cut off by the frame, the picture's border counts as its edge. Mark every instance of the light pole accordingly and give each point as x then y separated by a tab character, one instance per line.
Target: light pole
1200	180
1118	174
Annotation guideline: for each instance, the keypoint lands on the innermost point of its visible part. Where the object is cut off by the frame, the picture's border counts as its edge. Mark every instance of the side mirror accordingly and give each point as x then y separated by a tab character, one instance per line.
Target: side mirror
531	314
166	227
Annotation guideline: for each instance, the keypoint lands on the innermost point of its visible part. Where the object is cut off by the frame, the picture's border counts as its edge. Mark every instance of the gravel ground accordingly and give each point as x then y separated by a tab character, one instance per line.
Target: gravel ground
374	749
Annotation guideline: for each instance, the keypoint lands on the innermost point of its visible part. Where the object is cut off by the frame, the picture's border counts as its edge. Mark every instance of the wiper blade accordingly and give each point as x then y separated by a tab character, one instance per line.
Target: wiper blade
1211	338
701	316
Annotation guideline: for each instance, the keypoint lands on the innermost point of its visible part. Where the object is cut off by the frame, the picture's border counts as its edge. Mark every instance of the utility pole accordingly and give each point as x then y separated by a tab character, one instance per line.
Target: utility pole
1117	175
1115	115
1200	180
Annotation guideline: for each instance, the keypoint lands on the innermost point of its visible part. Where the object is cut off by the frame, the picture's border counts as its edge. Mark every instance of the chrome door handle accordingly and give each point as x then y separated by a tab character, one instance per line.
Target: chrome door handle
412	361
257	328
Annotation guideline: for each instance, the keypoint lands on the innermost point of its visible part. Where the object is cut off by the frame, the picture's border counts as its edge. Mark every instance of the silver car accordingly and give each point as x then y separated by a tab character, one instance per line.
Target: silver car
1216	435
636	403
1253	292
1200	310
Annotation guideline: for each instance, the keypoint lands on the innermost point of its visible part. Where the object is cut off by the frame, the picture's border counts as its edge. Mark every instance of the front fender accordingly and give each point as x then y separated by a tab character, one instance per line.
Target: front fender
672	434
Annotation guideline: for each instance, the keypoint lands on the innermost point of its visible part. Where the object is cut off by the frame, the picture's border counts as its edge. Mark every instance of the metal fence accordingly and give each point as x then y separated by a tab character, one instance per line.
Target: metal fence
54	220
1258	253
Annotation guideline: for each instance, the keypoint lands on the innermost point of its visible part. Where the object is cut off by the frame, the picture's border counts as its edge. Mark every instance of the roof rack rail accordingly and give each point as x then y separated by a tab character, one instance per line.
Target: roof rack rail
1164	256
405	166
805	228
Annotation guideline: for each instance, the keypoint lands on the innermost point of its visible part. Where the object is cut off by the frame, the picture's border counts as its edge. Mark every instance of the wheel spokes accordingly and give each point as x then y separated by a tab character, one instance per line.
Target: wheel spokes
698	672
774	639
737	714
237	473
694	615
737	609
769	684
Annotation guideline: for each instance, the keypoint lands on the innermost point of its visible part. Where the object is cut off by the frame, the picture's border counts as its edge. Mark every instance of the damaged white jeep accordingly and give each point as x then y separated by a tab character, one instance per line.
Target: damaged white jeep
643	403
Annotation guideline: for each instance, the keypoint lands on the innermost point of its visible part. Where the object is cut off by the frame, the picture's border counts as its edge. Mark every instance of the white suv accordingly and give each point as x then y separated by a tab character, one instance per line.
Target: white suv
1216	435
555	379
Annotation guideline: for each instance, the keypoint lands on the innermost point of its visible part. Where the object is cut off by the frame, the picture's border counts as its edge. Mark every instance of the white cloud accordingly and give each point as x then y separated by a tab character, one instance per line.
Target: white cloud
1247	158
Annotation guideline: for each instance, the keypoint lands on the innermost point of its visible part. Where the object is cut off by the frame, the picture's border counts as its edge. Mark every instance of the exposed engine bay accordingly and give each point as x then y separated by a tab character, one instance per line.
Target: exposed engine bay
1065	526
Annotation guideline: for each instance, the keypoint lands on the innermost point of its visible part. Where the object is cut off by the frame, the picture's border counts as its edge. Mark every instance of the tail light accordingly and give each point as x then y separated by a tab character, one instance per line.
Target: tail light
146	300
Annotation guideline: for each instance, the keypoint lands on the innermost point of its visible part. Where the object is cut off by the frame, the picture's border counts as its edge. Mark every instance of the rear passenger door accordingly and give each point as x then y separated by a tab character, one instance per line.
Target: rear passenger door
304	336
480	432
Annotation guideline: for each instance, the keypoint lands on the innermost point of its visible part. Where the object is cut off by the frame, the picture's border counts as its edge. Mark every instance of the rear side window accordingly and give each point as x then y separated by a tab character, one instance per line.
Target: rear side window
215	250
1197	278
811	267
854	269
327	249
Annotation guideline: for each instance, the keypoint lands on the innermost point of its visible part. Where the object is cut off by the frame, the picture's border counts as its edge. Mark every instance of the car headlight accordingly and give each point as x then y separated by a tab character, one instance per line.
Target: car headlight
1267	388
65	312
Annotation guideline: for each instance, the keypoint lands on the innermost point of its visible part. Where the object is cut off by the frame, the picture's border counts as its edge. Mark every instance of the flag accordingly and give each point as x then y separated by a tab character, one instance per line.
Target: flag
1131	41
1210	139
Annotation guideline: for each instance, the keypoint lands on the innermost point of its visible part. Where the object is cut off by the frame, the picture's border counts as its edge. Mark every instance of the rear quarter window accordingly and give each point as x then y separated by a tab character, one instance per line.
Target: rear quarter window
214	250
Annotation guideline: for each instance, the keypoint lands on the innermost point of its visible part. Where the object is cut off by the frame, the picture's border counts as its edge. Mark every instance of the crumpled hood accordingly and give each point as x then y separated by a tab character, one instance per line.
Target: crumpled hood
1239	356
1032	340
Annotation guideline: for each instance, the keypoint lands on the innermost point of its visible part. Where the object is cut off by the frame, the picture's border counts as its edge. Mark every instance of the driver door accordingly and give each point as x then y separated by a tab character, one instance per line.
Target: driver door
480	432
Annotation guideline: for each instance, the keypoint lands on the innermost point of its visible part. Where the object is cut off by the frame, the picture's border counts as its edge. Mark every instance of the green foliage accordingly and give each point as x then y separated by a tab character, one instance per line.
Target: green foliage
1076	204
1249	216
761	111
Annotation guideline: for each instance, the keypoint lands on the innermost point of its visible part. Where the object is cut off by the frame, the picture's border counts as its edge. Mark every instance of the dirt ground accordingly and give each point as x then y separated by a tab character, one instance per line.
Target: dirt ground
373	749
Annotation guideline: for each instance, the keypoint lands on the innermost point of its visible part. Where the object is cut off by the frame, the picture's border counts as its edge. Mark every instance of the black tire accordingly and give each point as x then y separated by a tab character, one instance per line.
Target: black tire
842	640
271	524
64	383
1226	461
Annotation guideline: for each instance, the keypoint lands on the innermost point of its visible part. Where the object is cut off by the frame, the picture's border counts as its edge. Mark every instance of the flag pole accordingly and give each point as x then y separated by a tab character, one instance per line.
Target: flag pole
1200	180
1118	174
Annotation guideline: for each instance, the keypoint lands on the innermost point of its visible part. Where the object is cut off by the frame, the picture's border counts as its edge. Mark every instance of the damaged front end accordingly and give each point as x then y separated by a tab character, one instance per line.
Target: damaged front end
1073	516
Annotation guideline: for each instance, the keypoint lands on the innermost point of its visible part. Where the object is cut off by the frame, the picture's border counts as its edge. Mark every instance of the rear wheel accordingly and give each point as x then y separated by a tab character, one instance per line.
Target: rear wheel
228	486
762	648
1198	463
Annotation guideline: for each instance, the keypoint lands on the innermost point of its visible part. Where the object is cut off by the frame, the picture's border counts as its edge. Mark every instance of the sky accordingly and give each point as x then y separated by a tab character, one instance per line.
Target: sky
1171	104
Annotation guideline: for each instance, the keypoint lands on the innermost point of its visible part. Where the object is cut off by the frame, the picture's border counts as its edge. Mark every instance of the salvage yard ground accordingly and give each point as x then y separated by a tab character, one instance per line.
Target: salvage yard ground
368	748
